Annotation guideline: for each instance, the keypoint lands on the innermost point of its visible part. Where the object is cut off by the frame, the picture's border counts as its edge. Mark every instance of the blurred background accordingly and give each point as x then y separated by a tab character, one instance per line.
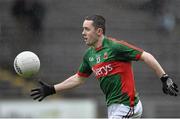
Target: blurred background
52	29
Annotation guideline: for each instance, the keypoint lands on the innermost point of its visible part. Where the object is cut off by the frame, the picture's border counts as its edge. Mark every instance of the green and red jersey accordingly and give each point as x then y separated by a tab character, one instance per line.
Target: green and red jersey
111	64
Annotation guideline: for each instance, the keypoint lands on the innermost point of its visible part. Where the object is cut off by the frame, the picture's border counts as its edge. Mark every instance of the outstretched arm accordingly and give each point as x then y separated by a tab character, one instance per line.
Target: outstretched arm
45	90
168	86
69	83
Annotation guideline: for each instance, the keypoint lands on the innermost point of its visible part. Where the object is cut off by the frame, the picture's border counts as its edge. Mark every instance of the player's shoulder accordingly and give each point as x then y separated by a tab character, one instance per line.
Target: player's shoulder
122	43
118	42
113	42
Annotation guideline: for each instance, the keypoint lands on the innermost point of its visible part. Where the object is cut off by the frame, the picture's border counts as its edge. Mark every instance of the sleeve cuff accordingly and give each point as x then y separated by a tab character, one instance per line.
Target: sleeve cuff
83	74
138	56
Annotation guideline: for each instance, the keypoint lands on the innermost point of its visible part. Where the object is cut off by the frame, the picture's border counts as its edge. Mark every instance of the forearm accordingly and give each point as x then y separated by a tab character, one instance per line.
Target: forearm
152	63
69	83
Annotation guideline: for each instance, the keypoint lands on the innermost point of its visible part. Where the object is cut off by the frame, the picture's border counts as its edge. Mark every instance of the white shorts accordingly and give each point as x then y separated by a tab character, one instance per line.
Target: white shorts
118	111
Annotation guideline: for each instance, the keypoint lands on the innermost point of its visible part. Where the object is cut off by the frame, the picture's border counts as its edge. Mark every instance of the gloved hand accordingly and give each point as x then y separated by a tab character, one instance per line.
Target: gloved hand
168	86
43	91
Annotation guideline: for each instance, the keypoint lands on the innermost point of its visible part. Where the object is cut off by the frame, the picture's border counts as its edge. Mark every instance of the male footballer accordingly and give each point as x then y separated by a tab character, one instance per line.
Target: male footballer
110	60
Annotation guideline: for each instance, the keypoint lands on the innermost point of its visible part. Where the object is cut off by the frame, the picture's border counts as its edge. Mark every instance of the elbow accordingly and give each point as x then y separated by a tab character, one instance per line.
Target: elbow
80	79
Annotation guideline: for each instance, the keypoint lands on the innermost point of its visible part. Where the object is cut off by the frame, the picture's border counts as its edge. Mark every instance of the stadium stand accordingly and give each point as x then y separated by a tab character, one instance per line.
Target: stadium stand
60	45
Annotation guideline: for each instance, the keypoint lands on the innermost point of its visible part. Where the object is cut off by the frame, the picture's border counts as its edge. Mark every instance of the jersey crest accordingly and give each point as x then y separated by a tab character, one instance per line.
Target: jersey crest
98	59
105	55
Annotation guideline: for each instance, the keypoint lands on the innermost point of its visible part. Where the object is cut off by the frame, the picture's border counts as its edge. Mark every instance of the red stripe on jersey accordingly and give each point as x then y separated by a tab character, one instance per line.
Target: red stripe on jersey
128	86
121	68
99	48
83	74
126	44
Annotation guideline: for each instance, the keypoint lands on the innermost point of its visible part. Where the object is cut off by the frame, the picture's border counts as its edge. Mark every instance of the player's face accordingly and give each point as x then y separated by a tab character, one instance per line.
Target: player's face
89	33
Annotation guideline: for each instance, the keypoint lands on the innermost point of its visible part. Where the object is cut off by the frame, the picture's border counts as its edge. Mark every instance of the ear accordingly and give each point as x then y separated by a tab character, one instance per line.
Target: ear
99	31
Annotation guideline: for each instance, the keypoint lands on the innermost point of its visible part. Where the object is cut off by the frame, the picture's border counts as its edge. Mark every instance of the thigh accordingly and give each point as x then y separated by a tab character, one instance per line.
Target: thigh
138	110
118	111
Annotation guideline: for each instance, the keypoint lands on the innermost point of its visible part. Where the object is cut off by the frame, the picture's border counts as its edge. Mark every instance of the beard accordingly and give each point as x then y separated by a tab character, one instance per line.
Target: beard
91	42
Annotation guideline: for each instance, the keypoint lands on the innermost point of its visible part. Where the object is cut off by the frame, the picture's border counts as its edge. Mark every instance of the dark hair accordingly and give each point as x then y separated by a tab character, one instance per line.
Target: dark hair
98	21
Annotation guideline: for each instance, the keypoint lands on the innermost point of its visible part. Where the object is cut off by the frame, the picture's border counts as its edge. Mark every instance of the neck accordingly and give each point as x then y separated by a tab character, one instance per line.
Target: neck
99	42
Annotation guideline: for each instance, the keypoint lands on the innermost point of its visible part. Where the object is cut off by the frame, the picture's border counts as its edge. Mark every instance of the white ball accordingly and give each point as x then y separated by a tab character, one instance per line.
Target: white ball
26	64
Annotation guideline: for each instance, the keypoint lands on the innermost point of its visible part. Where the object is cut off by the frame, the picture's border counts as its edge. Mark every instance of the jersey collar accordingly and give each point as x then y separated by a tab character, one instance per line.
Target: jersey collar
100	47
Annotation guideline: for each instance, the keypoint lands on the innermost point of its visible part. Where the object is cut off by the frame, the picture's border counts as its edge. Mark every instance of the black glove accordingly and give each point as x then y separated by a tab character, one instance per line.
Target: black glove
43	91
169	87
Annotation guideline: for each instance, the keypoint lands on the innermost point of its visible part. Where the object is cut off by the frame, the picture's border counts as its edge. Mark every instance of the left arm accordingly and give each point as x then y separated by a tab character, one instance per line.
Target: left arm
132	52
152	63
168	86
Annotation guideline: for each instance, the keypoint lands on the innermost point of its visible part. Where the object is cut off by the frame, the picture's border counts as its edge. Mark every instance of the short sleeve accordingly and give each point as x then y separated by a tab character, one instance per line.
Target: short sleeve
84	69
127	52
